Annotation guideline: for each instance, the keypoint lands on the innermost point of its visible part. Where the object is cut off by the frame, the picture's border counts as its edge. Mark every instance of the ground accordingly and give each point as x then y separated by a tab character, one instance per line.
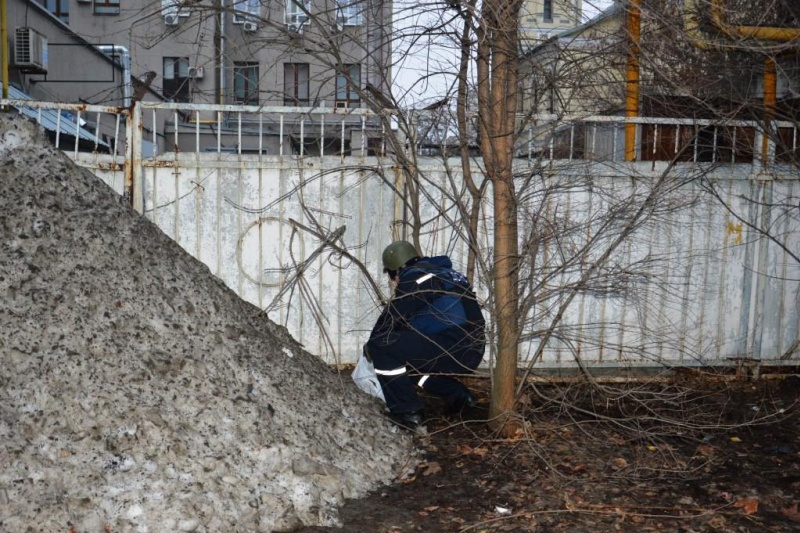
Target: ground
711	453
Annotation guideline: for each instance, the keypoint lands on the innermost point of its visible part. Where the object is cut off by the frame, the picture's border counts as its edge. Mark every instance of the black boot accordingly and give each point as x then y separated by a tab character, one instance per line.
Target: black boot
463	402
410	420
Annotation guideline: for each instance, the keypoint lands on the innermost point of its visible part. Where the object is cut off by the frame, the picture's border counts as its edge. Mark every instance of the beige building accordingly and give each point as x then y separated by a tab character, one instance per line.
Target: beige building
541	19
684	69
581	70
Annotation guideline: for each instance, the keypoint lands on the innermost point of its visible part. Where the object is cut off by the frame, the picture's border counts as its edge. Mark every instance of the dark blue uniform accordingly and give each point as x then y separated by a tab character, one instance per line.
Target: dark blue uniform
432	329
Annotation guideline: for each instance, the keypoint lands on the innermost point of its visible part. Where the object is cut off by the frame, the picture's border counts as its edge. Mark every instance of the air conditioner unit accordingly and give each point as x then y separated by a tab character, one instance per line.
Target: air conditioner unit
197	72
250	26
171	19
341	105
84	1
30	50
295	27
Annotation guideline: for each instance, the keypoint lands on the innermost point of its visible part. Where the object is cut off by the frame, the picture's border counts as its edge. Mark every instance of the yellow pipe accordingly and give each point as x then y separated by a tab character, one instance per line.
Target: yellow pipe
632	77
764	33
770	102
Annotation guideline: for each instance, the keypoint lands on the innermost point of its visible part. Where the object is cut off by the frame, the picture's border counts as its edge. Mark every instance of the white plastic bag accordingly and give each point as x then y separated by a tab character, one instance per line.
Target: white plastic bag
366	379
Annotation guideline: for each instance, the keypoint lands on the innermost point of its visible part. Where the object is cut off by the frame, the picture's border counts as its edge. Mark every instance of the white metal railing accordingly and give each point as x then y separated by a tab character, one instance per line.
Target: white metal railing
183	127
601	138
96	128
208	126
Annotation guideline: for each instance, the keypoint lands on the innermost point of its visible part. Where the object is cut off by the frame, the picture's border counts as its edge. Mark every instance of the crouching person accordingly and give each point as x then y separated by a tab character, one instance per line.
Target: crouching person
430	331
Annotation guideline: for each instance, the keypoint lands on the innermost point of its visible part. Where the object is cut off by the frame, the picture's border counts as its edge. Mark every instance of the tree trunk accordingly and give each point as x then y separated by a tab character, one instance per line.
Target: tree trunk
506	306
498	63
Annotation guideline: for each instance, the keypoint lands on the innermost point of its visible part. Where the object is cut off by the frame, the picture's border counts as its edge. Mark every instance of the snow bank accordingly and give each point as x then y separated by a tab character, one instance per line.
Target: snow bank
138	393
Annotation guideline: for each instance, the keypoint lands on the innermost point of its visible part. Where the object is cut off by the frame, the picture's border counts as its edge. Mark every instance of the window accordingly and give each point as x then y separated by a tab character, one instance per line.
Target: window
547	11
59	8
176	79
295	84
245	83
246	11
348	12
297	11
106	7
346	84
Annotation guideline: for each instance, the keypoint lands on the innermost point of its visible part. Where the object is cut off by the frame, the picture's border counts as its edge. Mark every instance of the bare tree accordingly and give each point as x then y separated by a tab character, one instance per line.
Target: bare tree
708	65
561	233
497	81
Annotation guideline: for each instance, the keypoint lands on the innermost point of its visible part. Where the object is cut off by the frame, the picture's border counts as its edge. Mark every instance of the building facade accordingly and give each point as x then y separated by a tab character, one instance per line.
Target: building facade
292	53
541	19
699	62
247	52
581	70
50	62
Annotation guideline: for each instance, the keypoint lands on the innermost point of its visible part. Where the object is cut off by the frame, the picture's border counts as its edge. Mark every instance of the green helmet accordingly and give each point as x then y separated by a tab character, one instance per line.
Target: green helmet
398	254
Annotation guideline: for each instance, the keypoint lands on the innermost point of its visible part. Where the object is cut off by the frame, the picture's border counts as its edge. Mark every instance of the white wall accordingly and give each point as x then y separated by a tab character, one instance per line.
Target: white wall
699	283
711	290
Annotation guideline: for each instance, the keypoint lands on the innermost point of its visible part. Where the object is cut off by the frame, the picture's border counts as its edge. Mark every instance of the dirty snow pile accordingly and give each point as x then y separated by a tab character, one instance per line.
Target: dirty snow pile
138	393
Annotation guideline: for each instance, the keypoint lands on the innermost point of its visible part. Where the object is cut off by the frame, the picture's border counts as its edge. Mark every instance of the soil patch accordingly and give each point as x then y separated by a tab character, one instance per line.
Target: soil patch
690	457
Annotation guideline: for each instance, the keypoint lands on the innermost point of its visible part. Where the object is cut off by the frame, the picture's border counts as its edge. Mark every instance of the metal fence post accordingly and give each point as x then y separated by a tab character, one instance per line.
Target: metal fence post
133	157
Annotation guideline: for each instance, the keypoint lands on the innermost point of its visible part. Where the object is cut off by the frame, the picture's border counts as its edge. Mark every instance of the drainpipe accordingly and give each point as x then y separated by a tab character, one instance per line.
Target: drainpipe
113	50
4	46
764	33
632	77
221	59
692	27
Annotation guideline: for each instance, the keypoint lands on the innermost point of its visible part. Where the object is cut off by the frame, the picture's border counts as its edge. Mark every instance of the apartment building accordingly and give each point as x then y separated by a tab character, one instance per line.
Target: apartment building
50	62
289	53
